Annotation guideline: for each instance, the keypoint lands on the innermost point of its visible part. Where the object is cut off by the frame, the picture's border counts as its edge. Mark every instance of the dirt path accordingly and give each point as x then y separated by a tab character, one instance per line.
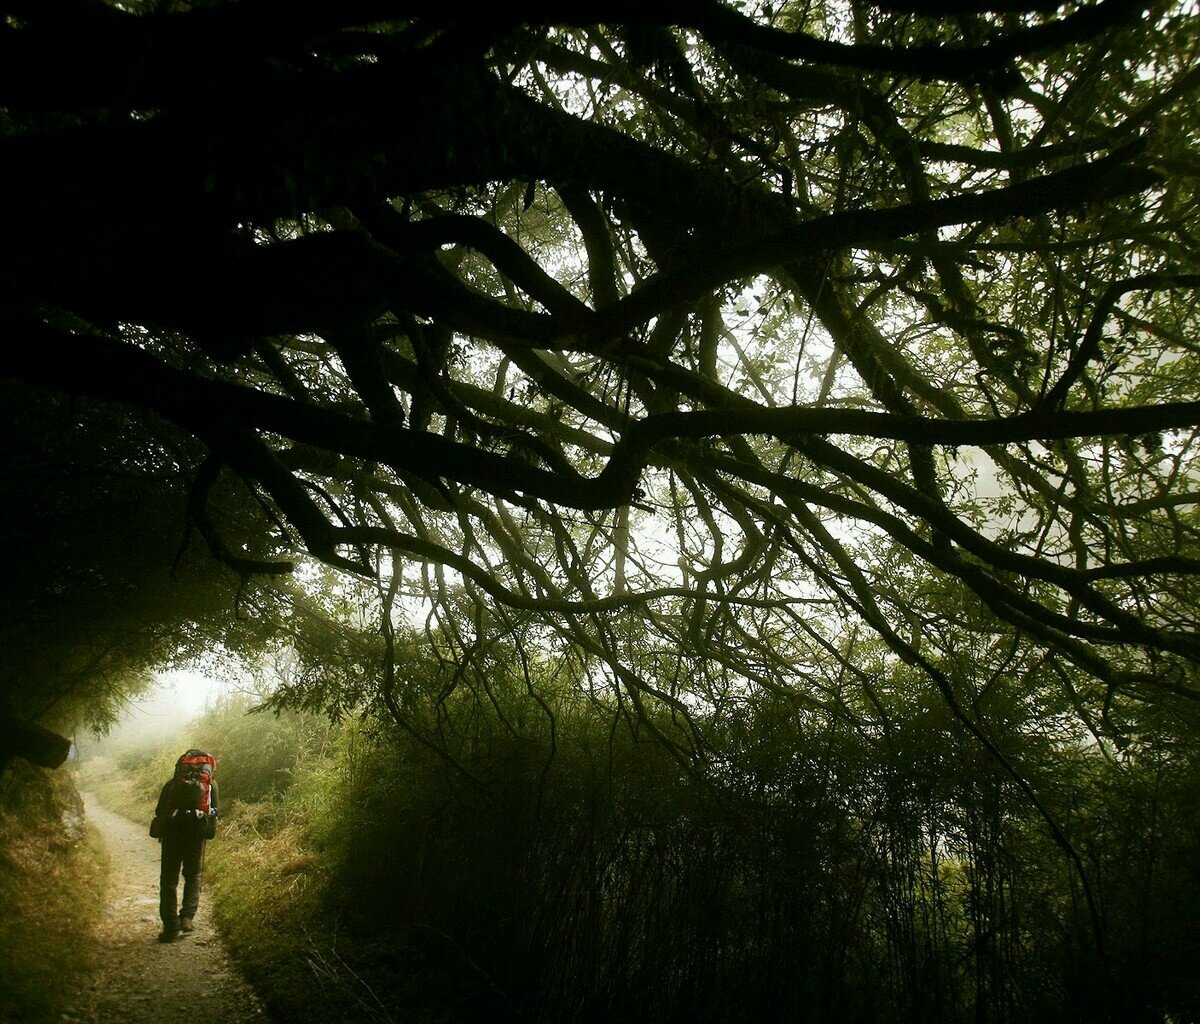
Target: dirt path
137	979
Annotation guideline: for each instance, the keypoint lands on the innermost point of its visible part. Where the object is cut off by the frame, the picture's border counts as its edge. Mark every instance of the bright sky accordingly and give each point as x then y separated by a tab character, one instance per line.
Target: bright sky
178	697
191	689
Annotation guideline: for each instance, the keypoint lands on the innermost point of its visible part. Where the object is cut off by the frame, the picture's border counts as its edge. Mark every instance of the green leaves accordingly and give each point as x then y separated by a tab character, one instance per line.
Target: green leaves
707	337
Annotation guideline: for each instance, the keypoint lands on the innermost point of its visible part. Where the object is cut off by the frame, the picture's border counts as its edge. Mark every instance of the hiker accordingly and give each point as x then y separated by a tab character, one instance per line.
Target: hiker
185	818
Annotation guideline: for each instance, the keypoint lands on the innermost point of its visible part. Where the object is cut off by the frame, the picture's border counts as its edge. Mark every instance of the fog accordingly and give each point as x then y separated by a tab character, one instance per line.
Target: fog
179	696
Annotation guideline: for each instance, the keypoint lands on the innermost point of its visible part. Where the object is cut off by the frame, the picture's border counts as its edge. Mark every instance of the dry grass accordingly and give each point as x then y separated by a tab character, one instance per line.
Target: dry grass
52	872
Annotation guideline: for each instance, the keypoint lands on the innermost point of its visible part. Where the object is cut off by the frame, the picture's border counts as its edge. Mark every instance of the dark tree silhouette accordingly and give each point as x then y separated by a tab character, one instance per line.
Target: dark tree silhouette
697	334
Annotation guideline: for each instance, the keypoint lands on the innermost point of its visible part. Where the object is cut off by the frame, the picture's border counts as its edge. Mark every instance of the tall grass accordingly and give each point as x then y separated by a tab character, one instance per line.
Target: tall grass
552	860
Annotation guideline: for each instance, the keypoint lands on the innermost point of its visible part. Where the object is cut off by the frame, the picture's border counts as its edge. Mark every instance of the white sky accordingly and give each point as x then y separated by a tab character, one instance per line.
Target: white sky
160	714
190	689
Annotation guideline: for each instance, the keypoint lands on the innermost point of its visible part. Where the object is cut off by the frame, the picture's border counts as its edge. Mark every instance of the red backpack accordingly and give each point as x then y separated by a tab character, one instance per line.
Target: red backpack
191	787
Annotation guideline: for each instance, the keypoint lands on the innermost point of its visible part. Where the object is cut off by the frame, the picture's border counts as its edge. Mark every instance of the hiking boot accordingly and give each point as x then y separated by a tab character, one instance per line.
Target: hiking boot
168	935
185	925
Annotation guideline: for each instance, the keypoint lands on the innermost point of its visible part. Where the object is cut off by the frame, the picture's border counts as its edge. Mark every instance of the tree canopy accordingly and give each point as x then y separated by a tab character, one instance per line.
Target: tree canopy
795	349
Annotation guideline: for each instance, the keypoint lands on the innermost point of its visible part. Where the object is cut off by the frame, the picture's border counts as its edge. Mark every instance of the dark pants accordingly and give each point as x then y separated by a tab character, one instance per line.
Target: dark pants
184	851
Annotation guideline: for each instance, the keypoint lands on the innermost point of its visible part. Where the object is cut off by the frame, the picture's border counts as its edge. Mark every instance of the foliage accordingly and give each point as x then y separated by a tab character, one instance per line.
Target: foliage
734	330
551	859
257	753
52	871
101	584
663	424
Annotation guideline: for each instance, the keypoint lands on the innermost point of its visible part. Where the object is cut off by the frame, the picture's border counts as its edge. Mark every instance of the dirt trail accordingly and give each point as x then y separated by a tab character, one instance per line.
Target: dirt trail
137	980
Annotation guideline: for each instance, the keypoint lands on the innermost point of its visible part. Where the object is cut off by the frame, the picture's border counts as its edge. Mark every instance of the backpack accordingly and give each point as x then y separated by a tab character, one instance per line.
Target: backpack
190	790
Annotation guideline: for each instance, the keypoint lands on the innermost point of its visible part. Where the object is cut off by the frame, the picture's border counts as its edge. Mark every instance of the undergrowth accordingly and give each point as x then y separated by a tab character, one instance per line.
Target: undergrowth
128	782
551	864
270	894
52	874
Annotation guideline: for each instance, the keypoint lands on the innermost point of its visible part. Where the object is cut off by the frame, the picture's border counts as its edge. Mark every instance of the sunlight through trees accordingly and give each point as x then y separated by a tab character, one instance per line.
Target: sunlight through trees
829	362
